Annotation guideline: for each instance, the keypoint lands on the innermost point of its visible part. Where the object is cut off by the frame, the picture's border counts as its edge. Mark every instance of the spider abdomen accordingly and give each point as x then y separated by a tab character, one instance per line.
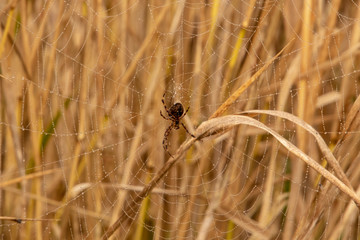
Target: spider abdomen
176	110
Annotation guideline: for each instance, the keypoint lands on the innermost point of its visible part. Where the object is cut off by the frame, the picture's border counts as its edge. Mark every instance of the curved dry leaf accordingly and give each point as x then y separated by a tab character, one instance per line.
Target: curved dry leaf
225	123
322	145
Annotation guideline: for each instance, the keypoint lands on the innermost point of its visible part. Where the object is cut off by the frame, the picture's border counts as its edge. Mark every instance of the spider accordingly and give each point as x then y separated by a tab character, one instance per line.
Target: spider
175	114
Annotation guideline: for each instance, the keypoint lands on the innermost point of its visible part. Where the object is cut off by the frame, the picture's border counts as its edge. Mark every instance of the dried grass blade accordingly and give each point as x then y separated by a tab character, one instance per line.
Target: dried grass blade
352	122
225	123
246	223
243	87
322	145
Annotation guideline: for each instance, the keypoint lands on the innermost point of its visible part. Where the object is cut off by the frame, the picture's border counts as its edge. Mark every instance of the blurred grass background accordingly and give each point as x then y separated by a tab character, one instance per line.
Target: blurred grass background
81	133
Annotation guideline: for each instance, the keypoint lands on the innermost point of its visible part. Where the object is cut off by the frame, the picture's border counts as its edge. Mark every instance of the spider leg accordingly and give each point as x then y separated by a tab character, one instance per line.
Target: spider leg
185	113
167	118
187	130
166	135
163	102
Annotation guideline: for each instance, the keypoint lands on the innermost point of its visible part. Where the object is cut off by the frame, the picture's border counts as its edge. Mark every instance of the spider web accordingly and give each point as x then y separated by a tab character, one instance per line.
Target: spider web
81	133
